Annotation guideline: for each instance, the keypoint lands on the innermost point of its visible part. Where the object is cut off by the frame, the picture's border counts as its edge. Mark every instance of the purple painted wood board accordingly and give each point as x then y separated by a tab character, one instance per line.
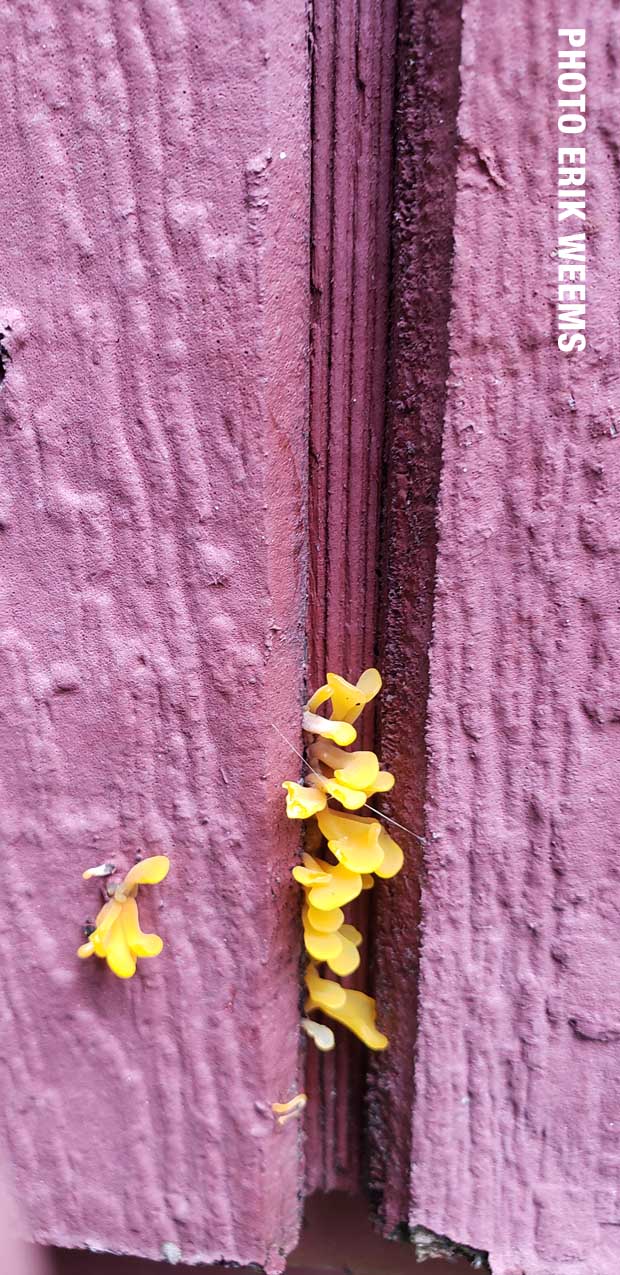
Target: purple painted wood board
154	187
156	305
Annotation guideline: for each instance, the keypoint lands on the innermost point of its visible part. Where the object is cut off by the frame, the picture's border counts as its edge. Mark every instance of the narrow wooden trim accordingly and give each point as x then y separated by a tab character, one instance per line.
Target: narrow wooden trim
353	48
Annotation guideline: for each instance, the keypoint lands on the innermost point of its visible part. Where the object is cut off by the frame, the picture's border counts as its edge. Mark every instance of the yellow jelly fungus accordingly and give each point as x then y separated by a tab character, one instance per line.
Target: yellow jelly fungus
348	958
353	1009
117	937
303	803
347	700
361	773
360	845
329	885
320	1033
323	993
393	857
146	872
285	1111
309	878
340	732
319	698
327	922
338	948
353	839
359	1014
357	770
350	798
383	783
319	945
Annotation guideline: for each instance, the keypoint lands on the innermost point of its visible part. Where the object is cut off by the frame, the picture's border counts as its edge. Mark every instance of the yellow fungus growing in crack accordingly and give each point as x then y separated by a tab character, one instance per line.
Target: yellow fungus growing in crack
353	839
302	802
347	700
337	947
323	992
117	937
350	798
326	921
361	846
356	770
285	1111
341	732
346	961
329	885
393	857
353	1009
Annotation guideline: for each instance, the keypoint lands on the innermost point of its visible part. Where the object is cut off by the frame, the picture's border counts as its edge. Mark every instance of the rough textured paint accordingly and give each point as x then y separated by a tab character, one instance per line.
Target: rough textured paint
514	1120
352	95
155	195
336	1237
425	129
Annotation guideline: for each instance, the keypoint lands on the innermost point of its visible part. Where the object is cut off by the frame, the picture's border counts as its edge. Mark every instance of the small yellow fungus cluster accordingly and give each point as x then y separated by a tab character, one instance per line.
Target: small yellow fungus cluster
117	936
361	848
285	1111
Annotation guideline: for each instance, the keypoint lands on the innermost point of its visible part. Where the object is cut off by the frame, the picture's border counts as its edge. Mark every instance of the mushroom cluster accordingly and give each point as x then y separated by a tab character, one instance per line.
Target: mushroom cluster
361	849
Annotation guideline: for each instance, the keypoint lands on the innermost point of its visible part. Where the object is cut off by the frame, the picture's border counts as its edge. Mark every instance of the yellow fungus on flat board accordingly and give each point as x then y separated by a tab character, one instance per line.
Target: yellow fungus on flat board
117	937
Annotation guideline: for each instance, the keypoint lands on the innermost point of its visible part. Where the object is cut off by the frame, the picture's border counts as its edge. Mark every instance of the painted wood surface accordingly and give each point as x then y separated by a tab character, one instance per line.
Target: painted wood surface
509	1121
153	306
156	320
337	1236
353	71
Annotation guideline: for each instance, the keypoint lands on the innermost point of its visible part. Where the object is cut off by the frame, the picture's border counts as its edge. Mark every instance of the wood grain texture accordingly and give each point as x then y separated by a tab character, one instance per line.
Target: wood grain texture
155	188
353	86
514	1121
429	40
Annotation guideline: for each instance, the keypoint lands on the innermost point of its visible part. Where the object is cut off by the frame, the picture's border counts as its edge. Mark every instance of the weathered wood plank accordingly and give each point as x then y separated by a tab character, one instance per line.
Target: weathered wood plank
423	220
514	1116
353	86
155	194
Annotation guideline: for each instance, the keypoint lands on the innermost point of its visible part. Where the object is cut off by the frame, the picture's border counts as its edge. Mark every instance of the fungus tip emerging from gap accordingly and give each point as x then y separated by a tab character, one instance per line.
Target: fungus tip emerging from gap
361	847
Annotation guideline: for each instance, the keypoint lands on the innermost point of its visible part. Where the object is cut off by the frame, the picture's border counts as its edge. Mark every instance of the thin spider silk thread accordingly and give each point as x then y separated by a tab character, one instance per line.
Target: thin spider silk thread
366	806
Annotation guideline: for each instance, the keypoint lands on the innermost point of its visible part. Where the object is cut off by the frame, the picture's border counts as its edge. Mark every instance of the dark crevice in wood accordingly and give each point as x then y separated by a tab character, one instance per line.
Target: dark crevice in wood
5	357
428	86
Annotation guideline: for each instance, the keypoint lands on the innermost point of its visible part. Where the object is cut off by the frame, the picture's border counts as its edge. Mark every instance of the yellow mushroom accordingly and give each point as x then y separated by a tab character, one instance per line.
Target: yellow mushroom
350	798
359	1014
353	839
348	958
357	770
347	700
341	732
302	802
323	993
117	937
353	1009
393	857
326	921
336	887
